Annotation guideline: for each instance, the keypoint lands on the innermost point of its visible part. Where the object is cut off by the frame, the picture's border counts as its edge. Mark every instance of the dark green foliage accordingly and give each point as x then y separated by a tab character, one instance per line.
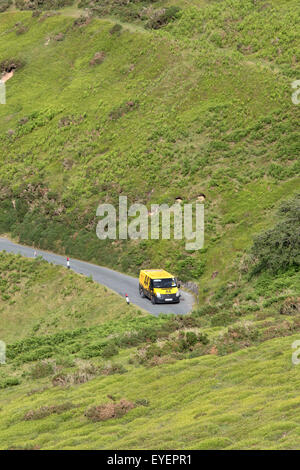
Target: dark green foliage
206	310
142	402
133	11
116	29
42	369
42	4
191	338
222	319
122	109
112	369
9	382
203	338
45	411
109	350
278	249
12	63
162	17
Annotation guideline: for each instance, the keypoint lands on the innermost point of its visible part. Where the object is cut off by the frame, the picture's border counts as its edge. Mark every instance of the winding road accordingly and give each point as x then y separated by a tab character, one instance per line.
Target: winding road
120	283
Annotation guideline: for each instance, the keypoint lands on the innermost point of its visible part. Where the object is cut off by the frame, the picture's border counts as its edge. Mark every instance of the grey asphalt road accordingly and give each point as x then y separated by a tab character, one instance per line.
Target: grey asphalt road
118	282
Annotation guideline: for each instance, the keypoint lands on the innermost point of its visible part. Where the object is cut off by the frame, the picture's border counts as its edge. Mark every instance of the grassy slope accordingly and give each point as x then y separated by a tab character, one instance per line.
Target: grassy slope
53	318
203	403
39	299
213	114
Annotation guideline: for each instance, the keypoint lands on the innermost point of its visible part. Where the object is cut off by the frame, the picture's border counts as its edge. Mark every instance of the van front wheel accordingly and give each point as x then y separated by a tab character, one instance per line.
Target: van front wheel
153	300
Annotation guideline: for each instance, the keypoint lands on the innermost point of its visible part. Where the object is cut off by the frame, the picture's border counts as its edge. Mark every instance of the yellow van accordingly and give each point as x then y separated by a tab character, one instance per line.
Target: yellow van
159	286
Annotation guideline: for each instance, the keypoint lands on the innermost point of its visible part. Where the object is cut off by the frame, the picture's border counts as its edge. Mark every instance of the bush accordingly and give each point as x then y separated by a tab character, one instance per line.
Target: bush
42	369
161	17
98	58
42	4
11	64
206	310
203	338
109	350
9	382
82	375
277	249
124	108
45	411
4	5
291	306
109	410
111	369
221	319
142	402
191	338
116	29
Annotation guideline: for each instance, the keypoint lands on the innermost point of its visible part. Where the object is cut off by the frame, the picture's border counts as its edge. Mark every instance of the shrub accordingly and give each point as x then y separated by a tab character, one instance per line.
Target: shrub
124	108
9	382
203	338
4	5
277	249
111	369
291	306
47	411
83	374
221	319
109	350
183	345
116	29
109	410
191	338
44	4
81	21
142	402
98	58
161	17
42	369
206	310
11	64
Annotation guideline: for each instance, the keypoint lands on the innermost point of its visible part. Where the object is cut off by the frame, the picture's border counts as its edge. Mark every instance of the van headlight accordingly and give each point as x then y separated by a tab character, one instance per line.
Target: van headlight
158	294
177	294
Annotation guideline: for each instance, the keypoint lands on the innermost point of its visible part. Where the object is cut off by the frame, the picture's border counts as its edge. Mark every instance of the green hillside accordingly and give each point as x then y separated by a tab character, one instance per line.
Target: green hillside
106	375
214	403
201	105
154	100
39	299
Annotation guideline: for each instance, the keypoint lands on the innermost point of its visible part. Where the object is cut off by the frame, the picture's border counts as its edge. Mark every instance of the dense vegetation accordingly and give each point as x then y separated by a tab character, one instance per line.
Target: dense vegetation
278	248
210	113
4	5
82	361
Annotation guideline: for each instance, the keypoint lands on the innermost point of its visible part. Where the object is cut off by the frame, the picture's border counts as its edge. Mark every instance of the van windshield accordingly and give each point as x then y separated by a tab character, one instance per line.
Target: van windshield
164	283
